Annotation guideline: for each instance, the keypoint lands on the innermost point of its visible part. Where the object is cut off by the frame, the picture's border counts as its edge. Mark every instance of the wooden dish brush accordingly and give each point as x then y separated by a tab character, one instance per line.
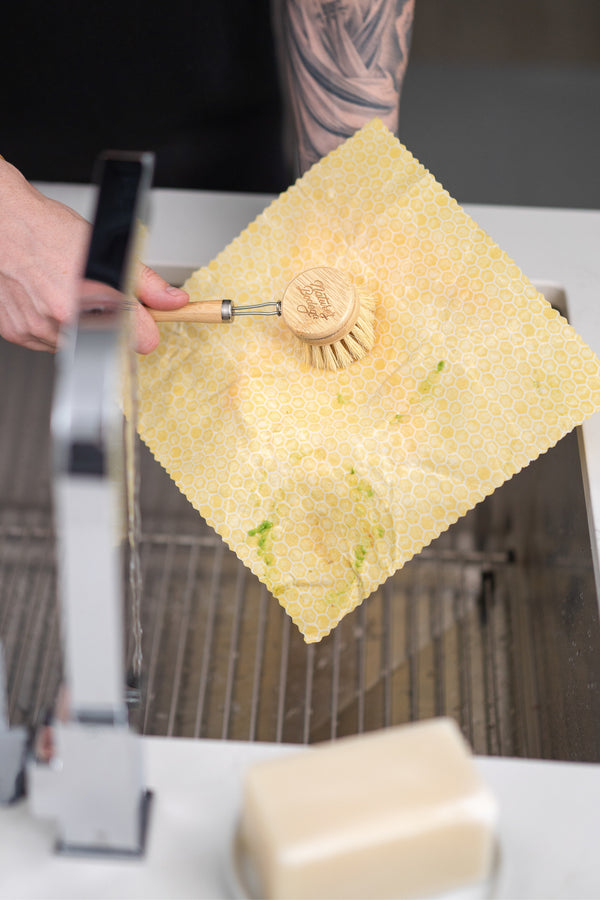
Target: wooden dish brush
333	318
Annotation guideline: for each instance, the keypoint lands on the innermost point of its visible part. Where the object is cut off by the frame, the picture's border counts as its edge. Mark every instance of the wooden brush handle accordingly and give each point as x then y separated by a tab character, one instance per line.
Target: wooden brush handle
207	311
320	305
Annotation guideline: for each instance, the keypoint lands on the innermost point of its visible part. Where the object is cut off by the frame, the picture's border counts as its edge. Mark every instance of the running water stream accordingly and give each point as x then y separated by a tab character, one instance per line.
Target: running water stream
132	479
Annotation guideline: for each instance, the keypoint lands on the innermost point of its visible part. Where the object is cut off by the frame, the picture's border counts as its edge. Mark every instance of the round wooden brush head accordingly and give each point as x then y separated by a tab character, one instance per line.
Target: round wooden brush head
330	315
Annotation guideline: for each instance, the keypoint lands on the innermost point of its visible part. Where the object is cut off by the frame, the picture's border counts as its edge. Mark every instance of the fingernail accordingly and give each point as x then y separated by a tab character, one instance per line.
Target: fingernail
175	292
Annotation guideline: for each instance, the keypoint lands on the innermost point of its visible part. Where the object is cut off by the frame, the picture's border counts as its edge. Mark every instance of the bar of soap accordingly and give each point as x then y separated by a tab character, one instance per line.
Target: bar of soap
397	813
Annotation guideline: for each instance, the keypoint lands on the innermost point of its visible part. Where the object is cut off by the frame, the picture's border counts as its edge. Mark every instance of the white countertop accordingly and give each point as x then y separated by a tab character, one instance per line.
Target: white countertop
548	832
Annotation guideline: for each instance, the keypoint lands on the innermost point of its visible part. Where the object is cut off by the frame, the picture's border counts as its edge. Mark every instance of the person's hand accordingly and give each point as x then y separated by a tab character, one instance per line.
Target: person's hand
42	253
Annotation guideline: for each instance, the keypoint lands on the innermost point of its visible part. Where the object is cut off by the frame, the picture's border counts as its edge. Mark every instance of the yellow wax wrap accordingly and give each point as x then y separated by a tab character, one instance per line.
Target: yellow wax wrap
325	483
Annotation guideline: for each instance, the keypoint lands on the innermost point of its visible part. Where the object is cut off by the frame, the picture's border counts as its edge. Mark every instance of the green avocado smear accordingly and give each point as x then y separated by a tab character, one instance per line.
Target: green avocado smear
264	540
424	389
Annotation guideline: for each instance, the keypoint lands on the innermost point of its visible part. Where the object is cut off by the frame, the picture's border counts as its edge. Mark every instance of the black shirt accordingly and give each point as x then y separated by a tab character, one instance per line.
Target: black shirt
192	80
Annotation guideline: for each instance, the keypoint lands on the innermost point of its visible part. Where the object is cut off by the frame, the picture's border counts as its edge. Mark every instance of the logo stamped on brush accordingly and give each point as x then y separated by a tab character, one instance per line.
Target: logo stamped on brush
317	304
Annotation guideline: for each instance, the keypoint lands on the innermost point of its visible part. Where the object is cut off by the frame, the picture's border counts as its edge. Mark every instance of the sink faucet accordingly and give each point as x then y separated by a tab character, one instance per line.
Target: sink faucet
93	783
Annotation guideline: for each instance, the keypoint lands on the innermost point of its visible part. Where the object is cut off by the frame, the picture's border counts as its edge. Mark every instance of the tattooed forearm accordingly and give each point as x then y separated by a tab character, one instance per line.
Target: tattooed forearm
342	63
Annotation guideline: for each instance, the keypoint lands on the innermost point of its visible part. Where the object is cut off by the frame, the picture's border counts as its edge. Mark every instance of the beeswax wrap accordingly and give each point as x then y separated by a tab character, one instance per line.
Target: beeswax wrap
325	483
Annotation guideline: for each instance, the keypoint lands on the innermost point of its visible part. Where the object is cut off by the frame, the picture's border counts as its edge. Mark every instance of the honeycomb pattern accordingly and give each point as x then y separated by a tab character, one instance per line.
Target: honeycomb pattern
324	483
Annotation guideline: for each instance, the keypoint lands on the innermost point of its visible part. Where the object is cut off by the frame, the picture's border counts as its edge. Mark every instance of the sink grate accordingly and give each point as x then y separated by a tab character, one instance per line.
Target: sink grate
222	660
445	636
494	624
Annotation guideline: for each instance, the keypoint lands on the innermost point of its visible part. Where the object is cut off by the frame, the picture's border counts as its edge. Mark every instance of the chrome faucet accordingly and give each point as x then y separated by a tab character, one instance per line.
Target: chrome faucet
93	783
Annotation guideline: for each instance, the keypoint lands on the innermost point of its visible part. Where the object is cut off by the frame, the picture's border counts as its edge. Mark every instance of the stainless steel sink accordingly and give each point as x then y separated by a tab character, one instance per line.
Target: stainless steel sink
495	623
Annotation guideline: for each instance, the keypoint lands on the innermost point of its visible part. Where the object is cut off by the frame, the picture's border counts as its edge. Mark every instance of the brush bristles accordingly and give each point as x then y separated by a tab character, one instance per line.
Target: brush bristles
354	346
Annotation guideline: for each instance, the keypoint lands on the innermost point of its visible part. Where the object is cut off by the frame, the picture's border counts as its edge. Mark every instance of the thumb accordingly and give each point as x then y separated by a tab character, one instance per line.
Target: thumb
154	291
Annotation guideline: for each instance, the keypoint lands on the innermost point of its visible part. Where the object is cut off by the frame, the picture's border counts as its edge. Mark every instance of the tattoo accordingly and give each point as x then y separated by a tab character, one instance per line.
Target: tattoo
342	63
